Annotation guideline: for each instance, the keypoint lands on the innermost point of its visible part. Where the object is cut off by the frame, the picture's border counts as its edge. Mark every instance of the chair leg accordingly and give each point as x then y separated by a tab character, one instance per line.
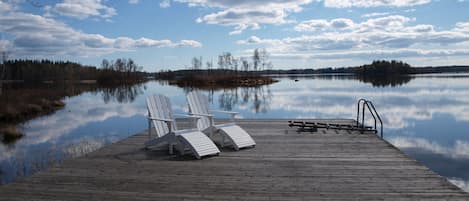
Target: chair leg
149	129
171	145
182	148
222	144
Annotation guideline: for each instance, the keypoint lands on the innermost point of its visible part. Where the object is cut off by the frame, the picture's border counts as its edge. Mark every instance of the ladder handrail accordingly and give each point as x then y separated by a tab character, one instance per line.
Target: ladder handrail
379	118
358	111
371	108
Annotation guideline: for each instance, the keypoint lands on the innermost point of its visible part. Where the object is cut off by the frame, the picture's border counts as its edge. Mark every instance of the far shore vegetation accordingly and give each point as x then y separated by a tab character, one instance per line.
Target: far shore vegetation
32	88
376	68
379	73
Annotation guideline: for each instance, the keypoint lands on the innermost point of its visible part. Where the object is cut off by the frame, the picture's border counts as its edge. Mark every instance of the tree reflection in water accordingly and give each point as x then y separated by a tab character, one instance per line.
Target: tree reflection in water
374	80
122	93
258	98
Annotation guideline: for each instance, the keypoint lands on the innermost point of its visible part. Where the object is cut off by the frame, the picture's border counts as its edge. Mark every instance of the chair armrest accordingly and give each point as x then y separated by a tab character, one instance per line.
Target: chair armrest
167	121
160	119
201	115
188	116
232	114
227	112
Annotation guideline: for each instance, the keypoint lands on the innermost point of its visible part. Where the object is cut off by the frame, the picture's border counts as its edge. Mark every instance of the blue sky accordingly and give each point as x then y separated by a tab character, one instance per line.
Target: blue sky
297	33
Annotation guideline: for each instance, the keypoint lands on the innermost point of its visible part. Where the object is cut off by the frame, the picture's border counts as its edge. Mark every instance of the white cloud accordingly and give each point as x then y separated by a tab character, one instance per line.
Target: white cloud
370	54
375	14
393	22
133	1
82	9
35	35
5	7
191	43
165	4
243	19
244	15
462	27
382	37
373	3
4	45
321	25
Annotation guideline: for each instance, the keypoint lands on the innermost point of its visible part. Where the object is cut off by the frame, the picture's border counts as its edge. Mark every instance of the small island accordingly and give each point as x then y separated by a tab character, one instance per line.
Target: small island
232	72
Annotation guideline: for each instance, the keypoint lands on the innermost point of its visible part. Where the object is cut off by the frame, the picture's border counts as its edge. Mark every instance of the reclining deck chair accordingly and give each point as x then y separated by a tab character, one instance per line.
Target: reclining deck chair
161	116
198	106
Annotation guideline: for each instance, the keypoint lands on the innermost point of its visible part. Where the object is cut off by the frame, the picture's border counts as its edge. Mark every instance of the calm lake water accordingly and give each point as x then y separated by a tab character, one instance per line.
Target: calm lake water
427	117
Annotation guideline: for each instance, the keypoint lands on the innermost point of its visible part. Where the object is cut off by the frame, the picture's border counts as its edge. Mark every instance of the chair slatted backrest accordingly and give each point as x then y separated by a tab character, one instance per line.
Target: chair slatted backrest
159	106
198	104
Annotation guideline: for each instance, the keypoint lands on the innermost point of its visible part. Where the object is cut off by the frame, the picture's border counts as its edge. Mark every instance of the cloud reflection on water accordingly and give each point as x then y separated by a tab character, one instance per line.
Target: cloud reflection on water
463	184
87	122
460	149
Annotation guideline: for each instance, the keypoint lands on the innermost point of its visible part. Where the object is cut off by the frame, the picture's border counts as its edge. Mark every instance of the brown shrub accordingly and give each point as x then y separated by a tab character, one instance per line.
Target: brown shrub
33	109
10	134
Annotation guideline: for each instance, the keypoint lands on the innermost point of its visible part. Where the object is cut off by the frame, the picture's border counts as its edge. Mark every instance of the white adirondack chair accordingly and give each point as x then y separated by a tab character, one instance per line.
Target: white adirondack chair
161	116
198	106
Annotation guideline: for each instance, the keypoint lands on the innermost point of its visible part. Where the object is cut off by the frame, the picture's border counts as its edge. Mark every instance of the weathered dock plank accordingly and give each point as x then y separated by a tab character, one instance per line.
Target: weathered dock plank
285	165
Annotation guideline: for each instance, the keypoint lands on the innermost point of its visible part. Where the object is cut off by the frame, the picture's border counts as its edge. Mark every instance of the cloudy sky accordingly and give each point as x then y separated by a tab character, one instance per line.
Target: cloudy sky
298	33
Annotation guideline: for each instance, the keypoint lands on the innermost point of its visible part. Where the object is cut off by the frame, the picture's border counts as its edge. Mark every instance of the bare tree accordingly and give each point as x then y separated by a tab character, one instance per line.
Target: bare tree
235	62
228	60
221	62
196	63
256	59
244	63
3	70
105	64
264	60
209	65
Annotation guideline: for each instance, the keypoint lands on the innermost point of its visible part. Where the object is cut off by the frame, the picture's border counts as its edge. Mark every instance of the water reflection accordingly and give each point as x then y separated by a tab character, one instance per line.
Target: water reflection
87	122
123	93
450	161
26	163
460	149
259	97
385	81
376	81
425	116
255	98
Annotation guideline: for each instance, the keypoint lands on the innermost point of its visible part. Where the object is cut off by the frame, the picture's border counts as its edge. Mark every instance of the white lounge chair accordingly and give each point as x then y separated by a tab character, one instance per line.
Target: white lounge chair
161	116
238	137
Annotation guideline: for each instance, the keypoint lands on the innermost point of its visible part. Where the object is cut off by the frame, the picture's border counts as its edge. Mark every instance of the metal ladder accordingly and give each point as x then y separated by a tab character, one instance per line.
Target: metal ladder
305	126
371	108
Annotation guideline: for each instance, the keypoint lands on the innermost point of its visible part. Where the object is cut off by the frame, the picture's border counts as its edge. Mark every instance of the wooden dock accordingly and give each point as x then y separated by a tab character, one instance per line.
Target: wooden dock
285	165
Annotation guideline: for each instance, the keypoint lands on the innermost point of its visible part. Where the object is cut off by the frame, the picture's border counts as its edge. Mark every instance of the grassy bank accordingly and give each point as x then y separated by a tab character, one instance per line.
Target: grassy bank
17	105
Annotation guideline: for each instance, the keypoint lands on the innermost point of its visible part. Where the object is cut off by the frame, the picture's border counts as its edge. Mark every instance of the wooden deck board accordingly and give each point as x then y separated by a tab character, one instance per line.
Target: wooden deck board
285	165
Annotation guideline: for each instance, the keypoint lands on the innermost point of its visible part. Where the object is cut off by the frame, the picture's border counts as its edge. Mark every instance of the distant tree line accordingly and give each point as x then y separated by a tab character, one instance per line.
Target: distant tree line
378	68
120	70
46	70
